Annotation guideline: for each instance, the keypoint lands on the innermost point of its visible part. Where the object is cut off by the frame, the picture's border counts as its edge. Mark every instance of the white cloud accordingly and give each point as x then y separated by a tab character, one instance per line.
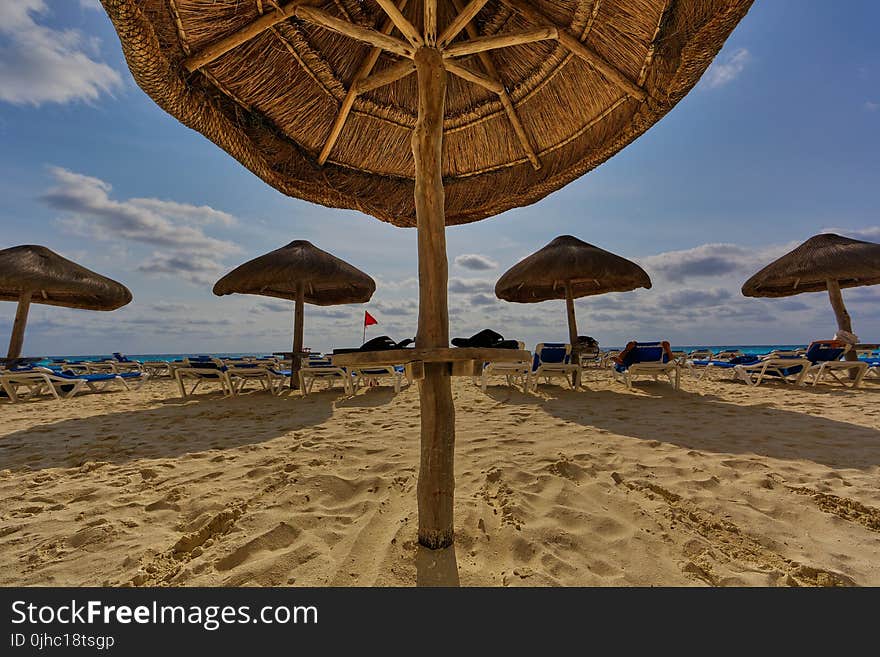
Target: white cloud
185	250
703	260
475	262
39	64
483	300
694	298
871	106
396	308
723	72
470	285
387	284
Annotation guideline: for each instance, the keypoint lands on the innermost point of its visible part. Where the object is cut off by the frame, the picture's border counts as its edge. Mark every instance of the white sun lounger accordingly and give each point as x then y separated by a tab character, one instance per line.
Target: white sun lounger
321	369
788	370
32	383
203	370
269	379
397	374
552	360
515	373
649	362
825	355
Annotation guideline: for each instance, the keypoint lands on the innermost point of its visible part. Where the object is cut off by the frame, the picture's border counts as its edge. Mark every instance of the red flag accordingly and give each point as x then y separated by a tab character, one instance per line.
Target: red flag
369	320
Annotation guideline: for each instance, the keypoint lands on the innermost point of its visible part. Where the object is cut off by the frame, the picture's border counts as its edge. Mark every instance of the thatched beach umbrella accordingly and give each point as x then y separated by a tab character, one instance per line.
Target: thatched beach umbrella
511	100
303	273
34	274
568	268
824	262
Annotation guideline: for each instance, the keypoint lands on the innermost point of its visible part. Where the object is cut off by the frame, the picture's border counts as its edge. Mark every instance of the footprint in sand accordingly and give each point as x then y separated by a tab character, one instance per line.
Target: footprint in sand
282	536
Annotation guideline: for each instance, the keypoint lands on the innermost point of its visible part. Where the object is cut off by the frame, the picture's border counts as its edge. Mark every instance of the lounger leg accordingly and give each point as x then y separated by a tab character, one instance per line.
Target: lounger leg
860	375
11	391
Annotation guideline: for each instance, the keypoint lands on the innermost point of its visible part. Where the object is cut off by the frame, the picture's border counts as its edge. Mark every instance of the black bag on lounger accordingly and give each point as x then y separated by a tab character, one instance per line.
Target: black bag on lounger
381	343
487	338
384	343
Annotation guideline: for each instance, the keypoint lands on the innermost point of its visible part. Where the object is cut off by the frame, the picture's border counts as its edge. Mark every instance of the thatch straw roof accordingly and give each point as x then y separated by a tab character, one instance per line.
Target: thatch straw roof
588	269
273	86
56	281
852	263
328	281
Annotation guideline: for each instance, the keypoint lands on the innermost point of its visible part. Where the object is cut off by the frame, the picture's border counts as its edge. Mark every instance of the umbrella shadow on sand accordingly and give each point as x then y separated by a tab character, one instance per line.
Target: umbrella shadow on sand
370	398
708	423
176	428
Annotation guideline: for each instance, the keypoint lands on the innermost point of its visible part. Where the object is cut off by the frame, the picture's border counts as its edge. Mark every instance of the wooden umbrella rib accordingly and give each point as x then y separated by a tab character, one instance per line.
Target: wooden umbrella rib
472	76
520	130
391	74
406	28
348	102
495	41
580	49
430	22
357	32
219	48
178	24
461	21
506	102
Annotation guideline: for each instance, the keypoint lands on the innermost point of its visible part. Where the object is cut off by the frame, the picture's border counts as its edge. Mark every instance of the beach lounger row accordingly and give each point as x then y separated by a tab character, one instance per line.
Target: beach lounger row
29	383
552	361
820	362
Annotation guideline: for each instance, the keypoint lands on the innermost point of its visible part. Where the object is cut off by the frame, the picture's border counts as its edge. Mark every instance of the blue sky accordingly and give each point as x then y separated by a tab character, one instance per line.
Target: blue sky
779	141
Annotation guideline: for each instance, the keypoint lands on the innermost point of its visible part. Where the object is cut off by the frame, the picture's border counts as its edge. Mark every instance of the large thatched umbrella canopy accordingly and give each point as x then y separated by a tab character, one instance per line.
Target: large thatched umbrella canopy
569	268
302	273
824	262
511	100
35	274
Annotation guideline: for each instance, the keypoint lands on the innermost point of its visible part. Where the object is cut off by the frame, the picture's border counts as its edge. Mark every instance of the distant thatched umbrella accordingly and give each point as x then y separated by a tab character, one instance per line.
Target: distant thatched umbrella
512	99
824	262
34	274
568	268
302	273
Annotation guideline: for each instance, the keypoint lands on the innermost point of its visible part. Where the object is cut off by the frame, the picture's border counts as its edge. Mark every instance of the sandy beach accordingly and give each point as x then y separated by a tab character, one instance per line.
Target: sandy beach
718	484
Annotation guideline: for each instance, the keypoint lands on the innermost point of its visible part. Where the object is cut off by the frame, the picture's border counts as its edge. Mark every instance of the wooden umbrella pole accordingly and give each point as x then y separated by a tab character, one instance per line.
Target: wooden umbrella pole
21	315
436	475
297	336
572	332
844	322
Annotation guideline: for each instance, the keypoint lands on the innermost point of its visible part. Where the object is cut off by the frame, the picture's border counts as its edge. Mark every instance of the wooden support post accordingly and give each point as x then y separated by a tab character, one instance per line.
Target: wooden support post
572	332
436	483
295	362
844	321
21	315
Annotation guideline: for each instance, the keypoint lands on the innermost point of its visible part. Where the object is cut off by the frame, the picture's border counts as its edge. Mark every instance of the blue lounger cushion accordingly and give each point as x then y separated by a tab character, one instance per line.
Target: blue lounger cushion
553	353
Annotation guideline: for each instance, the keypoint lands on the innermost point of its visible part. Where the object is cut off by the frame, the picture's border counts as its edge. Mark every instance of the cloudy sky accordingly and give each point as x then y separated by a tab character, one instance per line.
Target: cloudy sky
779	141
